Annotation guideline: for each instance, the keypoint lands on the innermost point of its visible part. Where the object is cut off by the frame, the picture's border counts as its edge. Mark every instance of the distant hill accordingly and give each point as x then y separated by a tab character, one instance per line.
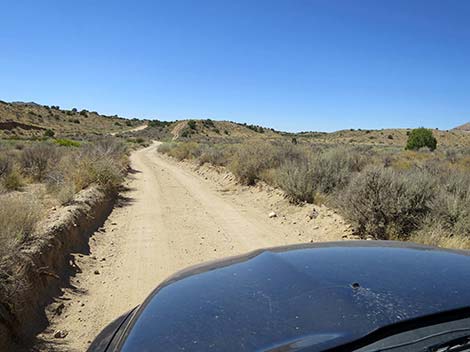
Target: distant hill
396	137
29	120
465	127
200	130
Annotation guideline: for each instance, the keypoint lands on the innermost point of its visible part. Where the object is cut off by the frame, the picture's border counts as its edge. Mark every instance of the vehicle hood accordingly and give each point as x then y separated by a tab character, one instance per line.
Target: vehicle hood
300	298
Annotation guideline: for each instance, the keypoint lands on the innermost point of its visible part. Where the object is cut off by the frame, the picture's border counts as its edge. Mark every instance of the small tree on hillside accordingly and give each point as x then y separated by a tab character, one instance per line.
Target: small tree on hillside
420	138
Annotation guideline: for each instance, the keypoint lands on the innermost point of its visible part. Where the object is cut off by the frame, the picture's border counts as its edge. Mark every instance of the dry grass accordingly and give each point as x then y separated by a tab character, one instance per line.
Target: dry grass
64	170
19	215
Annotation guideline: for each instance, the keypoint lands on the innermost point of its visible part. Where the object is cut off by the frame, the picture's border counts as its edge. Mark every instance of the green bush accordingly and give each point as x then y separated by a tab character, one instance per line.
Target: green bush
387	204
208	123
66	143
158	123
421	138
192	124
49	133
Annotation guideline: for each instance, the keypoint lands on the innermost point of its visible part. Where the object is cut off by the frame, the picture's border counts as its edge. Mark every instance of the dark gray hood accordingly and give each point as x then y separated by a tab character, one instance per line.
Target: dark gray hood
305	297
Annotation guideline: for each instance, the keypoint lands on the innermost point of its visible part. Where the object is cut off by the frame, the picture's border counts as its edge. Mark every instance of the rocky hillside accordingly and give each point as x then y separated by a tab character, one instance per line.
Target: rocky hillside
28	120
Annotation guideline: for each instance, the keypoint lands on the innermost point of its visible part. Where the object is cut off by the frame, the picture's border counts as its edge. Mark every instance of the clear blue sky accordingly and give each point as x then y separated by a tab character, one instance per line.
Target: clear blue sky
291	64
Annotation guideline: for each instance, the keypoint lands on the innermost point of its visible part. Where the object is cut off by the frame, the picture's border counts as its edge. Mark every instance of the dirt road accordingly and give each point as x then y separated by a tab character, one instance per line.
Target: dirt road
172	217
135	129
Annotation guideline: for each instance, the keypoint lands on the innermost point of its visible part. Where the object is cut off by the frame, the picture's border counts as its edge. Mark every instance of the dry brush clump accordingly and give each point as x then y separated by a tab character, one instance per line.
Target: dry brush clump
37	159
64	170
103	162
387	204
19	215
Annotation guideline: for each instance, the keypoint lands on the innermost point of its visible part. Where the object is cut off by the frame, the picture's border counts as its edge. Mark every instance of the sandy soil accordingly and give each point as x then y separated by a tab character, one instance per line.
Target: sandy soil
173	215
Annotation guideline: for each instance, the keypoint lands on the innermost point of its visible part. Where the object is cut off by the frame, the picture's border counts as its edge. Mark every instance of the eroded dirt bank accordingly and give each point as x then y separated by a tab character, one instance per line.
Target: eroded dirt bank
171	217
34	274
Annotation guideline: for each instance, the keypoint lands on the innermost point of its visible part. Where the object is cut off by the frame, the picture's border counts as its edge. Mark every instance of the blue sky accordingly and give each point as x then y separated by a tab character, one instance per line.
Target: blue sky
291	64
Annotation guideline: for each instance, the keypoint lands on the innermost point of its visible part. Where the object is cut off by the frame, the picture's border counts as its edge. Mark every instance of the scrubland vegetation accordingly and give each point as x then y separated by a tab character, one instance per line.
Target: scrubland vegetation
37	175
386	193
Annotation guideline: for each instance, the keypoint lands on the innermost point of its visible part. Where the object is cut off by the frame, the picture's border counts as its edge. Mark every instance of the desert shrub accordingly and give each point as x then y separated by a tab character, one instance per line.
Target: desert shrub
434	233
158	123
214	155
452	204
75	121
59	182
104	172
18	218
64	193
386	204
6	164
208	123
333	169
105	147
296	179
165	148
251	159
49	133
128	123
325	172
192	124
36	159
66	142
188	150
103	162
421	138
12	181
